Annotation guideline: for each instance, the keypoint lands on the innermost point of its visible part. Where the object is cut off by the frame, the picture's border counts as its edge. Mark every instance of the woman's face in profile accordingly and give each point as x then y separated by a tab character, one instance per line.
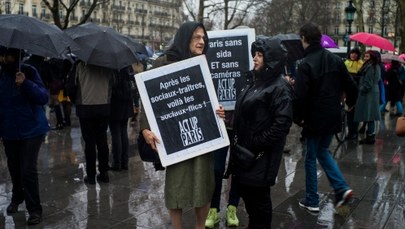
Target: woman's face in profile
258	61
366	56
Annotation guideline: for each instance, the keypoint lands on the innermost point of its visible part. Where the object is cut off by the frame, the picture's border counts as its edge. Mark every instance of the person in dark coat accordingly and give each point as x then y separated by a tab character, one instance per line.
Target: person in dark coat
368	100
263	117
121	110
394	87
23	126
322	78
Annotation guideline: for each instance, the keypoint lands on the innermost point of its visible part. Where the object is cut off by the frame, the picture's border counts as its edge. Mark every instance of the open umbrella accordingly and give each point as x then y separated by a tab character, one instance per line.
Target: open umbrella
139	48
373	40
402	56
388	57
328	42
103	46
35	36
293	44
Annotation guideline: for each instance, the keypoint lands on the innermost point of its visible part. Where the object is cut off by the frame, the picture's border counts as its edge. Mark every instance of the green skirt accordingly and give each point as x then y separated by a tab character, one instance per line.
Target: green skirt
190	183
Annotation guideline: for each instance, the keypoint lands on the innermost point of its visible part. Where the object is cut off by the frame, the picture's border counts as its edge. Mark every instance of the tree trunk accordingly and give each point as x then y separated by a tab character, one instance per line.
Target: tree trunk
401	11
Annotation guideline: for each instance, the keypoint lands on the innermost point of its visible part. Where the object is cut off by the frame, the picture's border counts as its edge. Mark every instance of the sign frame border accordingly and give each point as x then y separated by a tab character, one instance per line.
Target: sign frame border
198	149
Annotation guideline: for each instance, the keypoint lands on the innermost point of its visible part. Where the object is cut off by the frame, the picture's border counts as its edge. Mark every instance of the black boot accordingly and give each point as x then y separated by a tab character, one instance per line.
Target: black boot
103	177
59	117
369	140
67	110
351	136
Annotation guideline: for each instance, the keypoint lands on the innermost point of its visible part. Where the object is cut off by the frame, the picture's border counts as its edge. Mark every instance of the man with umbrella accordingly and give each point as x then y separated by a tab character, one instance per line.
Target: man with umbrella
23	125
102	51
93	107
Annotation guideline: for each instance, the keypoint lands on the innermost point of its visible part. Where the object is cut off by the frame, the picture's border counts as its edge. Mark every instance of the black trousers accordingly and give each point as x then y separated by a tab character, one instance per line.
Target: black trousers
351	124
119	142
22	156
258	205
94	133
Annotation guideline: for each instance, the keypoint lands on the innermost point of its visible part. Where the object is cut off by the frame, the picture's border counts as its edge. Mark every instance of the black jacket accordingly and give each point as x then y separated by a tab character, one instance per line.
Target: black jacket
121	97
321	80
263	117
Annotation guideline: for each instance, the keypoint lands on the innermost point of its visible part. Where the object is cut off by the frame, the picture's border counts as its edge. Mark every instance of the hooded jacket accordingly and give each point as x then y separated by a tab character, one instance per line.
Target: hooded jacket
263	115
179	50
22	114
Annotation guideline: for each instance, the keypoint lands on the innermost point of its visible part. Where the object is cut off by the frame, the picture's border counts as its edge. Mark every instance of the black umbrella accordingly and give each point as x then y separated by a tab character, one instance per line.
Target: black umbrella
35	36
139	48
293	44
103	46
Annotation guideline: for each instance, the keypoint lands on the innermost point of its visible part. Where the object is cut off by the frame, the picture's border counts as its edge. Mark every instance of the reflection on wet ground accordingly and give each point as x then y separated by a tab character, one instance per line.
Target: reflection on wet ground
134	198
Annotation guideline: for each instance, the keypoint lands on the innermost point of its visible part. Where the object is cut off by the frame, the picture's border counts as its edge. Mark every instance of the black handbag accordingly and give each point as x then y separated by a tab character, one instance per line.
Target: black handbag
146	152
243	157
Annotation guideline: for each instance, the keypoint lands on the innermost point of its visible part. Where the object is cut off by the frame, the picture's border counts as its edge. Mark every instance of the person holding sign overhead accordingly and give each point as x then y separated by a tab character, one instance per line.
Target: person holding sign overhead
263	117
188	183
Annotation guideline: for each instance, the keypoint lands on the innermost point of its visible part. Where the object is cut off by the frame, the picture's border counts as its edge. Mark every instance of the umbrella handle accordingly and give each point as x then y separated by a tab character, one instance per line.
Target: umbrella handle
286	72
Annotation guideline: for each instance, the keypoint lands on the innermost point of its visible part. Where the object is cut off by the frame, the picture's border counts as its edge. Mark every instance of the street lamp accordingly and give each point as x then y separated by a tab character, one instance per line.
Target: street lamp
349	10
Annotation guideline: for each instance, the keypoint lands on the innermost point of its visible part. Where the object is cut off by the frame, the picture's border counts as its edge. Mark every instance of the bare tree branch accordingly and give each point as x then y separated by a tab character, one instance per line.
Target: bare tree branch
55	5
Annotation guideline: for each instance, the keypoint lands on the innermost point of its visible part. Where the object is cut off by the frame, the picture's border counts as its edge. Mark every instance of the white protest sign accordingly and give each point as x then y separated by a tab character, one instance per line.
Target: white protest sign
180	102
229	58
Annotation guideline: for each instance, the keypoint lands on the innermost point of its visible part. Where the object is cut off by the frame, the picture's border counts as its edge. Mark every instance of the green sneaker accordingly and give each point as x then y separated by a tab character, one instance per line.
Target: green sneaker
212	218
231	218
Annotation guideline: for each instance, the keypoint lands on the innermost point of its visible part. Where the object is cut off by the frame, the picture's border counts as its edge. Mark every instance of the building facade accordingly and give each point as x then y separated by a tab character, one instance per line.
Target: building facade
152	22
379	17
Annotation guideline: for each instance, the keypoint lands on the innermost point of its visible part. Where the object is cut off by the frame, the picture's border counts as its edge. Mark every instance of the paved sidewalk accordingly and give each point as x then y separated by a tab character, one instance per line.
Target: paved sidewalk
134	198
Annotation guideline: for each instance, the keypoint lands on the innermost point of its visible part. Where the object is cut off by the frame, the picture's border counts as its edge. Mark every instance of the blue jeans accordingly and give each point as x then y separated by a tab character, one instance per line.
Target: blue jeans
370	128
219	168
318	148
398	105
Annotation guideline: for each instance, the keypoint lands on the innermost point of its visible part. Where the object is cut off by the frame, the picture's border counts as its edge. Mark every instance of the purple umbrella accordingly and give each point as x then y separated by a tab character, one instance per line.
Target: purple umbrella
328	42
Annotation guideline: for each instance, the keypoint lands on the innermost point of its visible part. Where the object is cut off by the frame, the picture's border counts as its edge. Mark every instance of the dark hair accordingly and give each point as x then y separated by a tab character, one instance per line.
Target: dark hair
311	33
394	63
357	51
374	59
11	51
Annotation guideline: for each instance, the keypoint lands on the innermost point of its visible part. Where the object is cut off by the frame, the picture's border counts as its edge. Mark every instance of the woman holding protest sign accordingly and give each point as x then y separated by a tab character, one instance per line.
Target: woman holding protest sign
189	183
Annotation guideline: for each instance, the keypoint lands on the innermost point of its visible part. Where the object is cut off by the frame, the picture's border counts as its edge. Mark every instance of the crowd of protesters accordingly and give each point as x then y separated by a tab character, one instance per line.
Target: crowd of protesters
107	99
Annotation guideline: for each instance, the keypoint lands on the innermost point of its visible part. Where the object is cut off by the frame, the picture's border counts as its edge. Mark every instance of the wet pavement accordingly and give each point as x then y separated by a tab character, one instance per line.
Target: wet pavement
134	198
